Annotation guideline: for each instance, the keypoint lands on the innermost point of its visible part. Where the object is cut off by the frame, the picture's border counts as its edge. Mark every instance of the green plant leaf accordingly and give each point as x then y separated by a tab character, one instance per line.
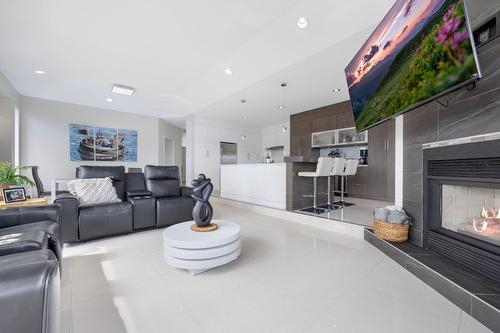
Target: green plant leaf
10	174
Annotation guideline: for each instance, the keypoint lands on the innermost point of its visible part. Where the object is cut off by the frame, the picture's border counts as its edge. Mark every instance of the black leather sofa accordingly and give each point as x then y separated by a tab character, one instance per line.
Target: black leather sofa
29	228
30	253
156	201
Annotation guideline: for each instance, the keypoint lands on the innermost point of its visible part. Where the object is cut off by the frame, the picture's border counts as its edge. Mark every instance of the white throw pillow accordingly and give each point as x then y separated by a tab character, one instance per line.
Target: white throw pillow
93	191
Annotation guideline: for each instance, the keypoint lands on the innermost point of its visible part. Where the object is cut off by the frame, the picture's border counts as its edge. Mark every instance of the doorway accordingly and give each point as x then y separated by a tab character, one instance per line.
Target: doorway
169	152
183	165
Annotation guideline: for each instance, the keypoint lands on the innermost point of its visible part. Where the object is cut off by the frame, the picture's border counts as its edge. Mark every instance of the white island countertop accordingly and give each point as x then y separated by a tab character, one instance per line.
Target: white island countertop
262	184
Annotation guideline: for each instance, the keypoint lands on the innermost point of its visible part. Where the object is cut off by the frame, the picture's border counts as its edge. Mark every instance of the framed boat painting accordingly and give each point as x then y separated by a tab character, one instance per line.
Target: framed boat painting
129	142
81	142
88	143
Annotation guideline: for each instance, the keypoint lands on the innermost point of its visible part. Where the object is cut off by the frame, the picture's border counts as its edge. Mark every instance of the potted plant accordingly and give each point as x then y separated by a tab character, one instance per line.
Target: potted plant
10	175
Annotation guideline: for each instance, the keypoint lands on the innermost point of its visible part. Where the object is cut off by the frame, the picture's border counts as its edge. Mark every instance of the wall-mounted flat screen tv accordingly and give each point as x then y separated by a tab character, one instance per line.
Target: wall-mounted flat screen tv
421	50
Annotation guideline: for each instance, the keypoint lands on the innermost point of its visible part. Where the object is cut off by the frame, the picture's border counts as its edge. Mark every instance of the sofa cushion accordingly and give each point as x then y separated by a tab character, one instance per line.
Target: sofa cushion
16	242
163	181
93	191
105	220
173	210
51	228
117	173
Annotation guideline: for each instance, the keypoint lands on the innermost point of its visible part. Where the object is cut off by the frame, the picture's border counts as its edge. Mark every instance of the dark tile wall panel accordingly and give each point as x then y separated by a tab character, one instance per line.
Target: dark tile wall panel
469	113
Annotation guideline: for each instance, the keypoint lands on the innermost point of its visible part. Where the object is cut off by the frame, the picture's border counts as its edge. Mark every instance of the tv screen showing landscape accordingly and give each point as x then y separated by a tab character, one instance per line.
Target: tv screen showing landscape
421	49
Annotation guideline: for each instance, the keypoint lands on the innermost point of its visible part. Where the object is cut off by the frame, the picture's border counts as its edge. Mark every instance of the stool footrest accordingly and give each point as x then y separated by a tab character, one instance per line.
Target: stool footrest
313	210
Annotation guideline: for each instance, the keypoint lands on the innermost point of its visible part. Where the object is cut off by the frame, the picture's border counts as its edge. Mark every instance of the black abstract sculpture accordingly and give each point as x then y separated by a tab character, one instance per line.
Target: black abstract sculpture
202	211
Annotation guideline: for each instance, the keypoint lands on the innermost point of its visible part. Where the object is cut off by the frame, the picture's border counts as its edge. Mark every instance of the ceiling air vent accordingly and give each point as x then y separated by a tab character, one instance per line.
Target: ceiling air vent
122	90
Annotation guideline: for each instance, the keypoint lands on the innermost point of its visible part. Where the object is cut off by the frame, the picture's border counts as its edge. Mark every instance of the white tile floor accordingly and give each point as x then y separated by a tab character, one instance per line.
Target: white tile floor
289	278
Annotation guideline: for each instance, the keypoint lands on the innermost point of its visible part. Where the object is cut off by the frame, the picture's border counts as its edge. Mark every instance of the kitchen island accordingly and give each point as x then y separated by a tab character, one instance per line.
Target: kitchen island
260	184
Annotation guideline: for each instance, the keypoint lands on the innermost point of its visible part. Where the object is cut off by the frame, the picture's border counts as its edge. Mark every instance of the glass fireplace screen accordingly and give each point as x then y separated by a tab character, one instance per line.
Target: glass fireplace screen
472	211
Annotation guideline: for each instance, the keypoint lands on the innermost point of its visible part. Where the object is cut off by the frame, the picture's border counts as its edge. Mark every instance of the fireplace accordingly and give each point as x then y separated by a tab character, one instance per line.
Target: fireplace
471	211
462	204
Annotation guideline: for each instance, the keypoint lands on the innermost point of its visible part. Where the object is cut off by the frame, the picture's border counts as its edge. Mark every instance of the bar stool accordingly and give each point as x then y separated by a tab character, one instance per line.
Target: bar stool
337	169
322	170
351	166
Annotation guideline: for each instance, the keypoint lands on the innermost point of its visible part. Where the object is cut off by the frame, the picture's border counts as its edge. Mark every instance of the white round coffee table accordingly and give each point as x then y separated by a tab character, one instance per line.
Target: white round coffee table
200	251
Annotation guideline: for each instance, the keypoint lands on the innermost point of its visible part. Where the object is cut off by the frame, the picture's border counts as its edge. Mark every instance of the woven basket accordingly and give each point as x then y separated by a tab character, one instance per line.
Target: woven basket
390	231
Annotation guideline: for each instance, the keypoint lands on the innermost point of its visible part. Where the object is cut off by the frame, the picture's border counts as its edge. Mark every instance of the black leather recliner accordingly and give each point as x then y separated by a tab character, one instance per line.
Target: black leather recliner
96	221
34	225
173	201
30	255
30	292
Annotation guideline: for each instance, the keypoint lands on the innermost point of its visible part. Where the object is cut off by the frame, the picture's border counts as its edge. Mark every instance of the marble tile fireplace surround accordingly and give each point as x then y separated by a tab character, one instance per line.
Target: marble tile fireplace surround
462	204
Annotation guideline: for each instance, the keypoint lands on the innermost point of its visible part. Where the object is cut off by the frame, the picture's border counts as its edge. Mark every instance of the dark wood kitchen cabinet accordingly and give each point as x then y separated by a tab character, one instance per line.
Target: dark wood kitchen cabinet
381	161
300	145
357	185
300	136
375	181
345	120
324	123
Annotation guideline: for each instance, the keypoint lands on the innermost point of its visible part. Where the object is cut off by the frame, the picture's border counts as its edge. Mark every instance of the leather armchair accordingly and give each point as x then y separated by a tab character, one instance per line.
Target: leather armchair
95	221
32	221
30	292
173	201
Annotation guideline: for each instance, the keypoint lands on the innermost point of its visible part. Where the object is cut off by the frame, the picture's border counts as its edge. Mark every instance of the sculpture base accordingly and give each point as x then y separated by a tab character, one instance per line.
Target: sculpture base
208	228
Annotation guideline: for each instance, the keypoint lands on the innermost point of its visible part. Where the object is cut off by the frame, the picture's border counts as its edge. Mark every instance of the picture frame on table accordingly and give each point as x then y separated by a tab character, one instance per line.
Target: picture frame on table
15	194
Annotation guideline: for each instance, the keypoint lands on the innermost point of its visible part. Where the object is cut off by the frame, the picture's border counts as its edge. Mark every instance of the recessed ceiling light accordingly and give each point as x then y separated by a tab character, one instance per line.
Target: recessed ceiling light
281	107
302	23
109	100
39	72
122	90
245	118
228	71
284	128
243	137
336	90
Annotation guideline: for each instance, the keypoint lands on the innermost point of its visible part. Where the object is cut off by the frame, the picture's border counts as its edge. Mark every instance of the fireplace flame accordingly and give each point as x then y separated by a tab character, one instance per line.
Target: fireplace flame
484	213
483	227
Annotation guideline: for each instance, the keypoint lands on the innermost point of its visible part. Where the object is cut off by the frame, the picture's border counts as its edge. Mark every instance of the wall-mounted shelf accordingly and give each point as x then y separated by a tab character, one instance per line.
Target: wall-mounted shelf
339	138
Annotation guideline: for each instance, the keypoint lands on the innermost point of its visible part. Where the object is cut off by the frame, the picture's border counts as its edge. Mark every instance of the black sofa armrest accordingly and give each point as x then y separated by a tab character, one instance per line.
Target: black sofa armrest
186	191
24	215
30	293
70	206
138	193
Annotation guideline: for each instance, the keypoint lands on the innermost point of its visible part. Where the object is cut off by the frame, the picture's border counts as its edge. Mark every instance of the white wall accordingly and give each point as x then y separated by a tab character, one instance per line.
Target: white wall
274	136
8	101
203	137
170	132
45	135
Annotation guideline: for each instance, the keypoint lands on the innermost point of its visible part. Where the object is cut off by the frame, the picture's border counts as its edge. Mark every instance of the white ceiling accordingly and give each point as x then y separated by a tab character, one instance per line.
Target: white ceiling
174	53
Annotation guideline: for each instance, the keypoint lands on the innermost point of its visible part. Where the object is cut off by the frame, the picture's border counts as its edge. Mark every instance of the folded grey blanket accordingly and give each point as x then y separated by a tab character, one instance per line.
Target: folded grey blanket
396	216
381	213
